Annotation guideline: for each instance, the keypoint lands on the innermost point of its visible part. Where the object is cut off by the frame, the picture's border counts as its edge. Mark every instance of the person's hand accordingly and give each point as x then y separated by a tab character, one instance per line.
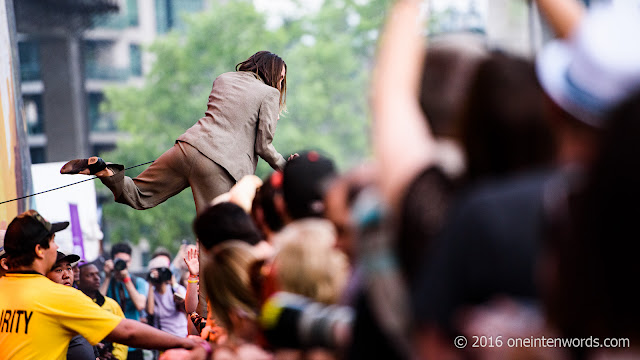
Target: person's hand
108	267
184	354
153	274
123	274
293	156
193	264
244	191
193	349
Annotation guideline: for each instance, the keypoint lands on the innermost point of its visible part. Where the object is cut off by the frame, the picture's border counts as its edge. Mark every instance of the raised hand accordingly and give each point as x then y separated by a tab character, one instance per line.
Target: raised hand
193	264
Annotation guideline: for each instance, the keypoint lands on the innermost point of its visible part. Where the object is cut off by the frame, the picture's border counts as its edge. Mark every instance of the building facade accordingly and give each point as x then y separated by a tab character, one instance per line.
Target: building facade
64	72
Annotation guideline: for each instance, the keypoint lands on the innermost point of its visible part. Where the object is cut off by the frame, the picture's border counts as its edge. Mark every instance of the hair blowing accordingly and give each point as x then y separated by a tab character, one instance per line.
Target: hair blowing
268	66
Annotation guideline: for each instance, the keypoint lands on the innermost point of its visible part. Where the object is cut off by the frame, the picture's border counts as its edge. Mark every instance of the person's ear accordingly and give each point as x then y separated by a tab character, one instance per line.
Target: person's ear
39	250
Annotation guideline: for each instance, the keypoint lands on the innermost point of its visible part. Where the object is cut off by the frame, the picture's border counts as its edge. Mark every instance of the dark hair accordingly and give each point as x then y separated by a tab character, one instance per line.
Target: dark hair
268	66
446	76
120	248
595	249
160	251
26	258
225	221
502	126
271	187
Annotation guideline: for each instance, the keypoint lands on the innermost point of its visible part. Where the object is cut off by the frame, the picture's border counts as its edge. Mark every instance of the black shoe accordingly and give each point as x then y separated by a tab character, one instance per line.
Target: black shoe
94	164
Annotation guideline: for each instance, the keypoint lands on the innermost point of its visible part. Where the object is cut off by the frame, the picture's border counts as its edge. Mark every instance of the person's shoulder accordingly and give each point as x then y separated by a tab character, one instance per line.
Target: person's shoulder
139	281
65	296
109	302
112	306
528	185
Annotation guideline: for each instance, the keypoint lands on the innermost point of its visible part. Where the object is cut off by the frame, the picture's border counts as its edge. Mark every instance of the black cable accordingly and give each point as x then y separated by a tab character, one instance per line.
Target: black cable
64	186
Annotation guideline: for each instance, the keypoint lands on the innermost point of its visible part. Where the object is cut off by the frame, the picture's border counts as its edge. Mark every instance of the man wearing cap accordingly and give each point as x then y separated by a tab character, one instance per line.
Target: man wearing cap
305	180
39	317
89	284
62	273
2	254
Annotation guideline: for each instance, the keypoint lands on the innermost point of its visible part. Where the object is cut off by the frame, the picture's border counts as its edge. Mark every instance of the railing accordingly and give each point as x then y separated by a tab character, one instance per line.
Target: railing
100	72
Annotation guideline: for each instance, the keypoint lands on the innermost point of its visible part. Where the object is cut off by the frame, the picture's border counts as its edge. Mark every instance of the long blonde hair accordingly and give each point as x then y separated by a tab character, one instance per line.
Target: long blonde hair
228	282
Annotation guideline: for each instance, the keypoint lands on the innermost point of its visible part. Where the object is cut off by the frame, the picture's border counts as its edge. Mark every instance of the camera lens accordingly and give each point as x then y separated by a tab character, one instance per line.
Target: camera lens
119	265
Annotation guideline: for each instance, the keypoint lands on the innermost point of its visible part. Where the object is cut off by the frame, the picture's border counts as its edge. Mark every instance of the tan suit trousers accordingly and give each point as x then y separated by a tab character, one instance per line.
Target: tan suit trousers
178	168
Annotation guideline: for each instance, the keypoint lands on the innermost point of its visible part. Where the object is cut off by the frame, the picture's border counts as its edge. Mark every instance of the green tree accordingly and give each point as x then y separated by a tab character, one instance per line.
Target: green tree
328	55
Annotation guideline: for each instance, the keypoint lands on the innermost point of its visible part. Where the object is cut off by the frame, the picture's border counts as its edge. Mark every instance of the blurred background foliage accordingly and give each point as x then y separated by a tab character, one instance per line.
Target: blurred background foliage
329	56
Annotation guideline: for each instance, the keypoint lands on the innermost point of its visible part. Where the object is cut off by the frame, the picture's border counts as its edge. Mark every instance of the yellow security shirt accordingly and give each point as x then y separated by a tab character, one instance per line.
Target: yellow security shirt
120	351
38	317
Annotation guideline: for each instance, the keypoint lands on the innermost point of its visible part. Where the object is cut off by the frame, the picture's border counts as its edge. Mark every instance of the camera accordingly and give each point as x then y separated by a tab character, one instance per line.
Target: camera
164	274
293	321
119	264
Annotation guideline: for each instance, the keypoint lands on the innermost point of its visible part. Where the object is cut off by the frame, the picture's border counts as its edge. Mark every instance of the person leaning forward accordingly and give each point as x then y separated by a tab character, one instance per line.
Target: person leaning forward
239	125
38	317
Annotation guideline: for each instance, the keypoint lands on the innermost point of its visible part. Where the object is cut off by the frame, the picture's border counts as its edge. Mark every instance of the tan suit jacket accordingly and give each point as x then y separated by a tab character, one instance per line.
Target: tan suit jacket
239	124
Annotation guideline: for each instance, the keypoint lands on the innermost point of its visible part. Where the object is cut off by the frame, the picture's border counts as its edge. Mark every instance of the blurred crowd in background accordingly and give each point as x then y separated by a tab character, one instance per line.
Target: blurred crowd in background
501	205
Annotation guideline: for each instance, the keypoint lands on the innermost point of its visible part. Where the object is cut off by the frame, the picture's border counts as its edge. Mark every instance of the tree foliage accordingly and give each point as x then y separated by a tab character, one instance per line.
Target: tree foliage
328	55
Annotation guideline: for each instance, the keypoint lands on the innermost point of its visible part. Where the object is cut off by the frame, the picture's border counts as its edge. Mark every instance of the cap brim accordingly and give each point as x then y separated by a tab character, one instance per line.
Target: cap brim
552	64
71	258
55	227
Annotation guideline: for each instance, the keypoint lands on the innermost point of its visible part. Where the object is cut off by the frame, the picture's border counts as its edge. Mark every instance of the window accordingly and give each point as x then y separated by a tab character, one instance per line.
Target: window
135	56
99	121
126	17
34	115
132	13
38	155
169	12
99	57
29	60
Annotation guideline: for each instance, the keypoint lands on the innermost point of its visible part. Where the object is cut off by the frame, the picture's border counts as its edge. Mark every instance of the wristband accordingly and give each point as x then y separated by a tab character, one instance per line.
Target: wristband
207	347
127	279
192	281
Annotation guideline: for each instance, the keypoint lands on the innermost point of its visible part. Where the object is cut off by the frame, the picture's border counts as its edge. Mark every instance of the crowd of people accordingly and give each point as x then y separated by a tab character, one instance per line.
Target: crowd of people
499	208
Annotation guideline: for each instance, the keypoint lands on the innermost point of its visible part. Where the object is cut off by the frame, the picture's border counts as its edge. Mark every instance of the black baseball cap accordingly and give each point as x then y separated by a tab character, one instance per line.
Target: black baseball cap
2	243
27	230
71	258
304	184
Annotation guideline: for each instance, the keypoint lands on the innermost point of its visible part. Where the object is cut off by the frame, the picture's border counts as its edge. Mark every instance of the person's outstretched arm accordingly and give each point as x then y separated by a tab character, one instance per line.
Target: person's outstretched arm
563	16
136	334
402	138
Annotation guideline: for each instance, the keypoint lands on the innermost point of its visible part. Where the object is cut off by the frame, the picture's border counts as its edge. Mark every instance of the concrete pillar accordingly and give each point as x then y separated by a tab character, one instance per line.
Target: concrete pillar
64	99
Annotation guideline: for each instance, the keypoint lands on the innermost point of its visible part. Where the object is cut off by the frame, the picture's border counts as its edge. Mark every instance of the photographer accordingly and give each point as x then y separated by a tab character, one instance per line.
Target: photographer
128	290
165	301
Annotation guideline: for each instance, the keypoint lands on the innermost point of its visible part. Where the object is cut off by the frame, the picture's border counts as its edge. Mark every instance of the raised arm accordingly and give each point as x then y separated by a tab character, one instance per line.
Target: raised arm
138	299
150	297
193	264
403	142
562	15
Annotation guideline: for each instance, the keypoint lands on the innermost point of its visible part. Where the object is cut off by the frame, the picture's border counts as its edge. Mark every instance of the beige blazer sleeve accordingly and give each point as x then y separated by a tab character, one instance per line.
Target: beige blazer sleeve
267	120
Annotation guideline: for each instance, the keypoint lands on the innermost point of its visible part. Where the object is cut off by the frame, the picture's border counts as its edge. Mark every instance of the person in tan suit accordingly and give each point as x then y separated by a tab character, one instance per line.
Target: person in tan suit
221	148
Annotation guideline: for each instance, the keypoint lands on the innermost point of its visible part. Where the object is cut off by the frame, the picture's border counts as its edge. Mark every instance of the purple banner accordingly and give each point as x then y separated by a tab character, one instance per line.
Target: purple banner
76	231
